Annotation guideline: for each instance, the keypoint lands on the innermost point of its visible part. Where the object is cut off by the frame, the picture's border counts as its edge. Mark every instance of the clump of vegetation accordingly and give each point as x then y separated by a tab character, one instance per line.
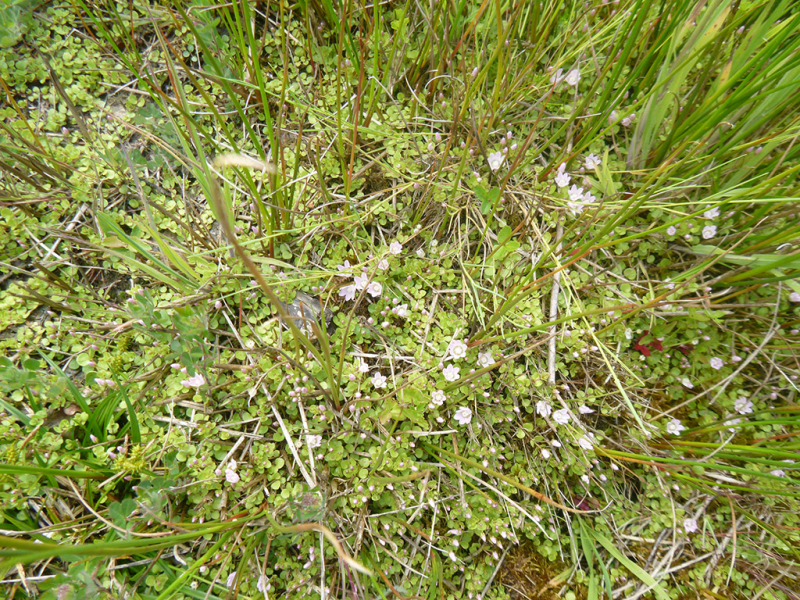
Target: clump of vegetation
364	300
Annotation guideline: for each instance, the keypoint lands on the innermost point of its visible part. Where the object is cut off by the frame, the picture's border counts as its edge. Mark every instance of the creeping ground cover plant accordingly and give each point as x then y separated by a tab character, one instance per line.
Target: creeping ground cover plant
382	300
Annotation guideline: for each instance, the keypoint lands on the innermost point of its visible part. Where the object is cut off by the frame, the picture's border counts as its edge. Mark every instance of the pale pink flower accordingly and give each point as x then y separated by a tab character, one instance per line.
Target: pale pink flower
561	416
543	408
794	297
585	410
343	267
585	443
588	197
689	525
361	281
231	580
457	349
712	213
562	179
438	397
573	77
194	381
379	380
495	160
592	162
709	231
671	230
675	427
395	248
575	208
743	406
348	292
374	289
451	373
231	476
401	311
687	383
716	363
575	193
546	453
485	359
463	416
383	264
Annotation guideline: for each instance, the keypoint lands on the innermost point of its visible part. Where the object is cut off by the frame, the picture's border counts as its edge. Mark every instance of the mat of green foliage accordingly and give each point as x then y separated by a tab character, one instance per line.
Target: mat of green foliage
399	299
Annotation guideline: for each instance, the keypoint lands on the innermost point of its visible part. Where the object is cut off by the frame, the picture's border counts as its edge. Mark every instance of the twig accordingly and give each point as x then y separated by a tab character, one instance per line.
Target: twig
551	358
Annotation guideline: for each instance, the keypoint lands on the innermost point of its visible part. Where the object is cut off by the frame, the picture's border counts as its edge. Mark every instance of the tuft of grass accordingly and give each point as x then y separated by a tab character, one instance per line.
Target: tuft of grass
391	300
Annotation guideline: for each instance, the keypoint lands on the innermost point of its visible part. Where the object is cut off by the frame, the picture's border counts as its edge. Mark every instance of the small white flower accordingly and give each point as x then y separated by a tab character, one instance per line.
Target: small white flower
561	416
671	230
421	253
438	397
362	366
712	213
592	162
687	383
485	359
575	193
543	408
450	373
585	410
546	453
343	267
689	525
585	443
709	231
374	289
675	427
463	416
496	160
378	380
562	179
457	349
588	197
231	580
716	363
629	334
361	281
395	248
743	406
348	292
626	122
314	441
194	381
262	585
383	264
778	473
794	297
573	77
402	311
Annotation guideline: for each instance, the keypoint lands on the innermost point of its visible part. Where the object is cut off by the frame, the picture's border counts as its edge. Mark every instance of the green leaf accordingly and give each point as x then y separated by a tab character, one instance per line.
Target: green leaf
643	575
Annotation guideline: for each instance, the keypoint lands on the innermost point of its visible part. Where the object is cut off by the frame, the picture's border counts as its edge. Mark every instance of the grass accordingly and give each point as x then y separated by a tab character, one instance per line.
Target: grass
352	300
